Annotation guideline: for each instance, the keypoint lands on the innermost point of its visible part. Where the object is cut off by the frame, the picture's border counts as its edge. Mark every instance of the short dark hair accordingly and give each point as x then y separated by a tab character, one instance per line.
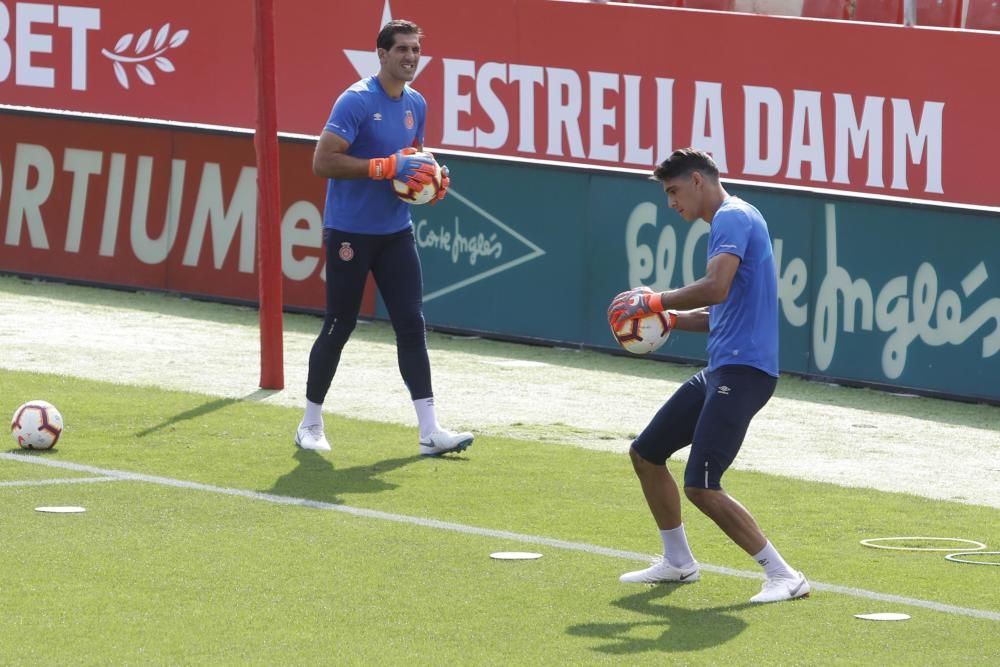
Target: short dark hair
684	161
387	35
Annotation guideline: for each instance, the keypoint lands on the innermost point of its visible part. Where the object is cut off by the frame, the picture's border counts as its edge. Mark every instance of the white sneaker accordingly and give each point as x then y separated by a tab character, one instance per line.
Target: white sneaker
779	589
661	570
311	437
442	442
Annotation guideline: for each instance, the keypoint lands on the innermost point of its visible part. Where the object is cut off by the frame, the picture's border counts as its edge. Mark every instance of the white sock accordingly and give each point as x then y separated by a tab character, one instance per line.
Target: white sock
313	415
772	562
675	547
426	416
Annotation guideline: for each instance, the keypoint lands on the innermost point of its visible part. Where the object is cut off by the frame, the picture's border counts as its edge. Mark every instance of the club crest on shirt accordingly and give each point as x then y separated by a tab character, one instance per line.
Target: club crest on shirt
408	120
346	252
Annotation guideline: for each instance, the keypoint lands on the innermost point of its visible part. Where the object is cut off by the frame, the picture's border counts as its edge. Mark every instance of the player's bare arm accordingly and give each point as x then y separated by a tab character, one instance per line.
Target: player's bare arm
708	290
713	288
692	320
330	160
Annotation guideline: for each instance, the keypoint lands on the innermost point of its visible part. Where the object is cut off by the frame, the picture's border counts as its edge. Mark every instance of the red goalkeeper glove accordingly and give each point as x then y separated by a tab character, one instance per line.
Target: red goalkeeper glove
445	182
636	302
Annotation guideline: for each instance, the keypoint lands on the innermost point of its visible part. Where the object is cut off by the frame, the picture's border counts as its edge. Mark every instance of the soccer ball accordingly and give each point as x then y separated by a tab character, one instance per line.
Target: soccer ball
426	194
36	425
643	335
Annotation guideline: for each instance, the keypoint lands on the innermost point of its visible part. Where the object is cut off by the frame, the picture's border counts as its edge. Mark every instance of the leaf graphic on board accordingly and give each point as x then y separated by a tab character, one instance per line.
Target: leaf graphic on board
143	42
123	43
164	64
162	42
120	73
161	37
178	38
145	75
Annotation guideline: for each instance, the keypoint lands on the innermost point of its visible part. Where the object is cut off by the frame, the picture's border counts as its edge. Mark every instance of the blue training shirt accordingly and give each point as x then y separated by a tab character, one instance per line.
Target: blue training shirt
375	125
743	329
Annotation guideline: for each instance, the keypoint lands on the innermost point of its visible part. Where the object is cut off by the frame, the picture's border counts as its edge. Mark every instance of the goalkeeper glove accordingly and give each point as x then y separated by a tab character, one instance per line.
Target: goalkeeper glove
636	302
445	182
415	169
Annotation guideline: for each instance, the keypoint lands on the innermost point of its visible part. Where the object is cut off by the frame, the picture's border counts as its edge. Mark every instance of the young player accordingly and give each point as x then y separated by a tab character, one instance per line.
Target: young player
736	302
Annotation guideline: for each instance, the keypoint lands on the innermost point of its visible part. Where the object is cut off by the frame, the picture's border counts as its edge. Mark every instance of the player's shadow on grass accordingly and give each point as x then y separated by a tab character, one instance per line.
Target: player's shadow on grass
316	478
193	413
670	629
204	409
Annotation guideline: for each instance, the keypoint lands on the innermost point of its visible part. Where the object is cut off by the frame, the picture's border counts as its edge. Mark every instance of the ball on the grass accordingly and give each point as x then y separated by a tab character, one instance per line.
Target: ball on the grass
36	425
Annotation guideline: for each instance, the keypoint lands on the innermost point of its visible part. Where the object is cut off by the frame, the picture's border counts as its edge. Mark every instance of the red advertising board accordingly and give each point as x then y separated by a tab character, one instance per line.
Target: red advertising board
151	207
861	107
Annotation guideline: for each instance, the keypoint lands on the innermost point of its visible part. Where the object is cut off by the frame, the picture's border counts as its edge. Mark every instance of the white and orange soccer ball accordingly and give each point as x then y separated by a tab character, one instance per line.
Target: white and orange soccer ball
643	335
36	425
427	193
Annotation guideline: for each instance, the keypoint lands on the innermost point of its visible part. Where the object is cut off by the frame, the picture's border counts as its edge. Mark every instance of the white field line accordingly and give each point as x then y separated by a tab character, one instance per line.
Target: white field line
72	480
485	532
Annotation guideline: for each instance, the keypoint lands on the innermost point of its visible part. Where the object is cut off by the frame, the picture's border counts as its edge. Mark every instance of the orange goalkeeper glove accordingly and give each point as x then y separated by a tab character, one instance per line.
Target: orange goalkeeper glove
636	302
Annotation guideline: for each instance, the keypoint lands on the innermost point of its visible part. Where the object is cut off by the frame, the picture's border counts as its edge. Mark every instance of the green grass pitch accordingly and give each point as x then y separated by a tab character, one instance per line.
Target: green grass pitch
158	571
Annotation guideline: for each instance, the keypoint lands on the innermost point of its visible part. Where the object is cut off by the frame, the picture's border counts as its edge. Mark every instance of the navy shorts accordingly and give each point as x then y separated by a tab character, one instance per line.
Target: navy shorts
711	412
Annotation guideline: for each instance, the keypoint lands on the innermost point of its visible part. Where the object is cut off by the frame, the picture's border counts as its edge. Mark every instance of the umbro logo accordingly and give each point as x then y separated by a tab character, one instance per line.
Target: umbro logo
724	390
376	116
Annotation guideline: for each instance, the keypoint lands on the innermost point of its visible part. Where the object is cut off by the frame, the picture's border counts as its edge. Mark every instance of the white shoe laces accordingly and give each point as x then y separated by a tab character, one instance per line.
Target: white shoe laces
315	430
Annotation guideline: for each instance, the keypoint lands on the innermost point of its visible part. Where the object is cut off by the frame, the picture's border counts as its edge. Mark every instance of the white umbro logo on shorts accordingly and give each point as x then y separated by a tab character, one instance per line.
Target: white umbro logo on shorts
377	116
724	390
